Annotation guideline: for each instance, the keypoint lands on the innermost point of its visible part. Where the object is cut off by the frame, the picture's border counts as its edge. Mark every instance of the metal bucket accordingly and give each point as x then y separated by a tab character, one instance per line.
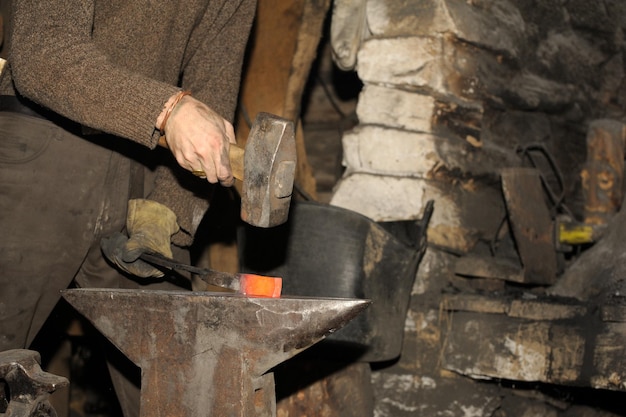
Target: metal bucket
327	251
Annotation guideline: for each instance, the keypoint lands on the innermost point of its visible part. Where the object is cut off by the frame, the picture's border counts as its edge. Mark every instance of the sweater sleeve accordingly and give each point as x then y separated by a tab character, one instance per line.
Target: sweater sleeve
56	63
213	74
214	58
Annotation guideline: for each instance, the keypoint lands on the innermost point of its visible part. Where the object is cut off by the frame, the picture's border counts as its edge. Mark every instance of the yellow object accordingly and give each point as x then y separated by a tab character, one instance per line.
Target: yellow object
575	233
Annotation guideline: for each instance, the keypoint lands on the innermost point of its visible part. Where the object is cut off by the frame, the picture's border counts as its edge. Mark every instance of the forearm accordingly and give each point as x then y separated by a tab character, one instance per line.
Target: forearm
187	196
198	129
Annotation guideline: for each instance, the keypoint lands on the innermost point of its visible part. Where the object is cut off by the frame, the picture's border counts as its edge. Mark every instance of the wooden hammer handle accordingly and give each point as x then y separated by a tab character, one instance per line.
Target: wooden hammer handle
235	155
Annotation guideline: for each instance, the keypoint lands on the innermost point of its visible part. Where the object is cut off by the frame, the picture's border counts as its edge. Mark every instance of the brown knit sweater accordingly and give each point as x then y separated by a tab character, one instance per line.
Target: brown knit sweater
111	65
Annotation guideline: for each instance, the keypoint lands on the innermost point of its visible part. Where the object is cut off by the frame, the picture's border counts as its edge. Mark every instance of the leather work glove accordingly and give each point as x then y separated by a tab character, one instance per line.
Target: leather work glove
150	226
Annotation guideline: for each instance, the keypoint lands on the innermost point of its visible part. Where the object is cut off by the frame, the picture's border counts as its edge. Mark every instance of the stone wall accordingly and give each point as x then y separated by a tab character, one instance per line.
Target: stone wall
452	90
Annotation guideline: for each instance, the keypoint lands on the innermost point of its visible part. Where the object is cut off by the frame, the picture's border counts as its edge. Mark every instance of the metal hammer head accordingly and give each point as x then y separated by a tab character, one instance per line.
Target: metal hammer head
269	171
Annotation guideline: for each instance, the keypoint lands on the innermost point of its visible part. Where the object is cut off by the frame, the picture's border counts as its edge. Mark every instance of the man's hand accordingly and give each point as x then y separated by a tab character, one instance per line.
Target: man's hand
200	138
150	226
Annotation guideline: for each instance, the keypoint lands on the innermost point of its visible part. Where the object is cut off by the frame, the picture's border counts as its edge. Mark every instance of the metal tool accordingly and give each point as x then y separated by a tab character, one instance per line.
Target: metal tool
209	354
267	167
24	387
247	284
268	172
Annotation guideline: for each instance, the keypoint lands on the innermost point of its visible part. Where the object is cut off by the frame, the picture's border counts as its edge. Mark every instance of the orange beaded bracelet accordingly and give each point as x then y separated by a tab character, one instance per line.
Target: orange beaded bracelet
177	99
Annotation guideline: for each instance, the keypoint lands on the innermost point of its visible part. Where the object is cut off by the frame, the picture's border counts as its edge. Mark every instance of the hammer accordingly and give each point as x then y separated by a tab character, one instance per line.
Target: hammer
267	168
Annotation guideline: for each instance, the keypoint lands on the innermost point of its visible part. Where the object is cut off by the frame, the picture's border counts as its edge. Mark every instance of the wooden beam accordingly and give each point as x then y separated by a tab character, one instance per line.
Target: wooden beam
577	352
531	223
283	48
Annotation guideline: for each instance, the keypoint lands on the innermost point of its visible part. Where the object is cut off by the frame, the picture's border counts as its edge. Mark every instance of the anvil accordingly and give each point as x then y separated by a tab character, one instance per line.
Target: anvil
209	354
